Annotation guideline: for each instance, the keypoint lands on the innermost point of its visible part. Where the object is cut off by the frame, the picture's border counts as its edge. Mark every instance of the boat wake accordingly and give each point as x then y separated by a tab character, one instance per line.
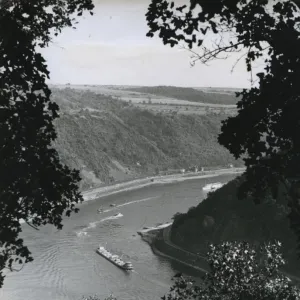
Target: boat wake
119	215
83	232
128	203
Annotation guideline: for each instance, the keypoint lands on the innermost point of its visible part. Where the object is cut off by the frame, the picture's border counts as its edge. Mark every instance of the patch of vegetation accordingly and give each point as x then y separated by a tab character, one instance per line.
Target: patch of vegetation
264	131
188	94
104	134
34	186
238	271
223	217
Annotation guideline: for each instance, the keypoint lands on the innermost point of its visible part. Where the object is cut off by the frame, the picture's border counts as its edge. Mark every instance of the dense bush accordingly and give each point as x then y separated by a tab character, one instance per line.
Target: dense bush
239	271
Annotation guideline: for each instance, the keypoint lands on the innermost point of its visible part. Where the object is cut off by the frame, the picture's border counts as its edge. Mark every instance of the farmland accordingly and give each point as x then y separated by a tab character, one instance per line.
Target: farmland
163	104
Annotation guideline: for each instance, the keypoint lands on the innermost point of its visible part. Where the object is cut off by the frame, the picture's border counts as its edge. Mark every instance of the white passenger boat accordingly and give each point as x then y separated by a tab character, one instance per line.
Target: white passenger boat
212	186
114	259
118	215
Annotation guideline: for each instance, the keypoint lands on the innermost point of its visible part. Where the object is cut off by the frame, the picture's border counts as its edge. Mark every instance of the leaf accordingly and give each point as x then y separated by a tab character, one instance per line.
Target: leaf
149	34
181	8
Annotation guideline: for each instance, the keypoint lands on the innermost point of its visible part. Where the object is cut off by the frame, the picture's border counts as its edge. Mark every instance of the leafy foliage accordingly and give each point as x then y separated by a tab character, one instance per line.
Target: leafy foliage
265	131
236	220
239	271
34	185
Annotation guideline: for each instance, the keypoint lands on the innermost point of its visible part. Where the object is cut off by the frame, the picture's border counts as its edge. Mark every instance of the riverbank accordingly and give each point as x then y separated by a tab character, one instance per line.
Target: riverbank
143	182
139	183
149	235
158	240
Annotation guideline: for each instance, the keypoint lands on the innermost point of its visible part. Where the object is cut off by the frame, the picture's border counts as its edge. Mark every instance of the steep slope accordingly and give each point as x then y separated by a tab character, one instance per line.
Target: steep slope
189	94
222	217
110	140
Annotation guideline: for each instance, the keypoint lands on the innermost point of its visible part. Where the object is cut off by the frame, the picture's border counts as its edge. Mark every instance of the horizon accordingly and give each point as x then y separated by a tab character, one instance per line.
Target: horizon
111	48
136	85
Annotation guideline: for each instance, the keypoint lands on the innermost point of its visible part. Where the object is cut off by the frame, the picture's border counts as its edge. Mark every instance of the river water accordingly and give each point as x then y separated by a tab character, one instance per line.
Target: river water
66	266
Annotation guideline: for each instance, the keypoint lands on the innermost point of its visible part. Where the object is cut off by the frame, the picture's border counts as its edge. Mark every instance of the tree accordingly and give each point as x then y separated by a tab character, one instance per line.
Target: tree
264	133
34	185
239	271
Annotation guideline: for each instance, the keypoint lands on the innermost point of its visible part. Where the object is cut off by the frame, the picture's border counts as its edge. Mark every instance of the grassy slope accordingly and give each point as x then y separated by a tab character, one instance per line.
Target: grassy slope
235	220
111	140
188	94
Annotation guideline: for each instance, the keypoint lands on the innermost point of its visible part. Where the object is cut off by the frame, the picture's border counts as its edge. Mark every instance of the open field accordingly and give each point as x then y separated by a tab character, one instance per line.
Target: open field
158	103
196	95
220	90
187	109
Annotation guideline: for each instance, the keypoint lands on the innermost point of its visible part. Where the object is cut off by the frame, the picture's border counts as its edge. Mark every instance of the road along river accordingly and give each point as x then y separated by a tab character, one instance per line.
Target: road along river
66	267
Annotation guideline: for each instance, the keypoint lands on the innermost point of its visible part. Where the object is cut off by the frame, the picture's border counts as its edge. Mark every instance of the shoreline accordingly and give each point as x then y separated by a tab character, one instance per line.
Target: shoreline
158	238
148	181
155	235
139	183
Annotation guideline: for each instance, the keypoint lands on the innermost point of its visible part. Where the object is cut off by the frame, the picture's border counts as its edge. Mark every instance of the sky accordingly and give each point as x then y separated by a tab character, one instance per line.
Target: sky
111	48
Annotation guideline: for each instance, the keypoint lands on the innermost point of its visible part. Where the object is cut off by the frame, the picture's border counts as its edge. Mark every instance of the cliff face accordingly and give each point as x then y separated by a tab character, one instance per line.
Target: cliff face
111	140
222	217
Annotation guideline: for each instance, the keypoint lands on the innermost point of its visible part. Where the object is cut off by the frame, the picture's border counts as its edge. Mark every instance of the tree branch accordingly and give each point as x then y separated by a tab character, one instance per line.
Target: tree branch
209	55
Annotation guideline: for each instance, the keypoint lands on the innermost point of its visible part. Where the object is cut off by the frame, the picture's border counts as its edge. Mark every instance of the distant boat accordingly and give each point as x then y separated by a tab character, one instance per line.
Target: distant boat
127	266
212	186
100	210
112	205
118	215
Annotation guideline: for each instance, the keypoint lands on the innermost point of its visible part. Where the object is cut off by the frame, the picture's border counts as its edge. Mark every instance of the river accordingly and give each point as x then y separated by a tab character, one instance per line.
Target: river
66	267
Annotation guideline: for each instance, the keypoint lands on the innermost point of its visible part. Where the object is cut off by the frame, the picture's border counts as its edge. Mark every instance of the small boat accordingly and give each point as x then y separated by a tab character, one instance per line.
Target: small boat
100	210
112	205
212	186
118	215
113	258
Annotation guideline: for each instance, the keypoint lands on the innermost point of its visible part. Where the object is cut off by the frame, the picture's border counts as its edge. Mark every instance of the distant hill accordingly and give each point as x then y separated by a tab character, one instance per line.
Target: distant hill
222	217
190	94
111	140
